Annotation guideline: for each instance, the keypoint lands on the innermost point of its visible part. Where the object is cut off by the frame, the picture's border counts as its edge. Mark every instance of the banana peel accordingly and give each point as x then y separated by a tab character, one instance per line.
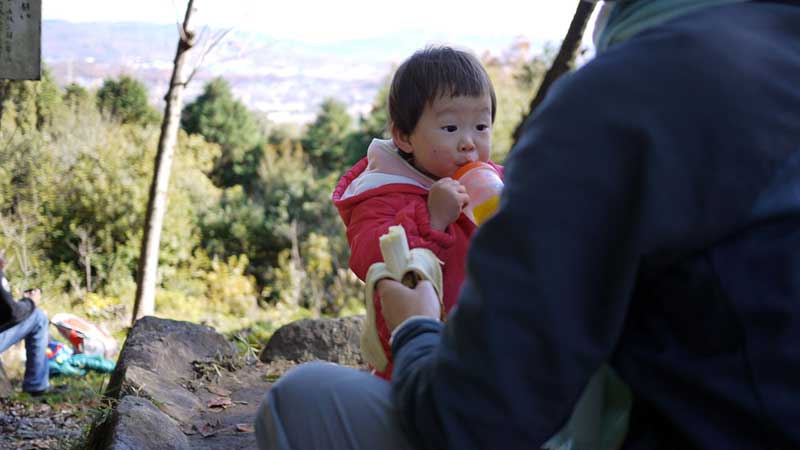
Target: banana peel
403	265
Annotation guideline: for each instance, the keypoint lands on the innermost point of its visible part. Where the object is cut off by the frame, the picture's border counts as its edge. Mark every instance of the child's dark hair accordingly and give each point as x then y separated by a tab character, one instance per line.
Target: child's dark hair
429	74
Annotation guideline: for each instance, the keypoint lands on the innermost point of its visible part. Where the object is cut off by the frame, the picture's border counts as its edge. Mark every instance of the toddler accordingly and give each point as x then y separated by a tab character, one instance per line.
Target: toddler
441	109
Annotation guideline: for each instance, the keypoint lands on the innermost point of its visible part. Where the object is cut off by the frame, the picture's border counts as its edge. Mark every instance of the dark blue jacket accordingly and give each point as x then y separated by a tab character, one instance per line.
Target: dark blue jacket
651	219
12	312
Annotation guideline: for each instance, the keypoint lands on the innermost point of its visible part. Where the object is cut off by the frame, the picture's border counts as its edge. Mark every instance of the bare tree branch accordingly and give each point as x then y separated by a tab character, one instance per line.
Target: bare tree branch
206	51
563	62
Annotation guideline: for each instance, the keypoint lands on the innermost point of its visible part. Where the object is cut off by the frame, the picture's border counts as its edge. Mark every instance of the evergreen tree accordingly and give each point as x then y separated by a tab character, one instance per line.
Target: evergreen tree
76	97
29	105
373	125
125	99
325	139
222	119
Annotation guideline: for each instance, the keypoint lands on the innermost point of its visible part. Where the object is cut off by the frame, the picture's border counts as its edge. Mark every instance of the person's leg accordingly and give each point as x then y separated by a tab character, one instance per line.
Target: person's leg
34	330
326	406
11	336
37	372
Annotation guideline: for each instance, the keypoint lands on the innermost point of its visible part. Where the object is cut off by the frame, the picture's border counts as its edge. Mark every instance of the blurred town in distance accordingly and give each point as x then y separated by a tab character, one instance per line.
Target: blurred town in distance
285	79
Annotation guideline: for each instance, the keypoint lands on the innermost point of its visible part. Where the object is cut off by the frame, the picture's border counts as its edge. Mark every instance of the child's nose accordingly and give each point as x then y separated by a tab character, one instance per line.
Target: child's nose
467	144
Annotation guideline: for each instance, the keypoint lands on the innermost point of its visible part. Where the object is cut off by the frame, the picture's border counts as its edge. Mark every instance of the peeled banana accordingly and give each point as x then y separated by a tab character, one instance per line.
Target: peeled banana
403	265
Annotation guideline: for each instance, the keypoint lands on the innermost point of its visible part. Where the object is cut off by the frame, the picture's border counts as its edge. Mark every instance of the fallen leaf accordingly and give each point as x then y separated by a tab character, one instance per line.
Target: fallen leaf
220	402
244	427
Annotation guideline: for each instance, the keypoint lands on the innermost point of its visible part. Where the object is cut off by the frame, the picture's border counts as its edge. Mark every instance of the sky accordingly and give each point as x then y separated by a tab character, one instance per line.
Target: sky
333	21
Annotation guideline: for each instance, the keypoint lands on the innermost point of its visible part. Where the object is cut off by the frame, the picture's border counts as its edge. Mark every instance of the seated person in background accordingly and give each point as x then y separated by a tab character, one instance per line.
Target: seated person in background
441	106
23	320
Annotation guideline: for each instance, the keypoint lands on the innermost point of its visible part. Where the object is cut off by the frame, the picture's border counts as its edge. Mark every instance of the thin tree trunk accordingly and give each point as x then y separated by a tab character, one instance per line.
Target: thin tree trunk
564	61
156	206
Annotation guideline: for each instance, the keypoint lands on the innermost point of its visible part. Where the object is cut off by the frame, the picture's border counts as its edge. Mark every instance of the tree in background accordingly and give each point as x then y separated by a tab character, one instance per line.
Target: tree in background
373	125
146	272
26	106
325	139
257	222
23	189
515	77
125	99
222	119
77	97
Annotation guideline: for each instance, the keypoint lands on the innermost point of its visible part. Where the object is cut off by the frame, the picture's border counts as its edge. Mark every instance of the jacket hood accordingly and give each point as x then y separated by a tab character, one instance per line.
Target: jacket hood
382	170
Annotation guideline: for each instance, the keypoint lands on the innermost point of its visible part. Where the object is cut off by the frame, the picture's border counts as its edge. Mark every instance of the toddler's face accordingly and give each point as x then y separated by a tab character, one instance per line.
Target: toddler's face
451	132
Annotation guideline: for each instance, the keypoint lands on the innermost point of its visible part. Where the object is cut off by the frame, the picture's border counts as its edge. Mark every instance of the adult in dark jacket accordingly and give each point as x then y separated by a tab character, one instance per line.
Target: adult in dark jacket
23	320
651	221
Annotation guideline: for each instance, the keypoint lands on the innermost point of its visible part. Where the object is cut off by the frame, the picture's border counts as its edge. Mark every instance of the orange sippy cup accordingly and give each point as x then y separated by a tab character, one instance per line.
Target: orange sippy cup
483	185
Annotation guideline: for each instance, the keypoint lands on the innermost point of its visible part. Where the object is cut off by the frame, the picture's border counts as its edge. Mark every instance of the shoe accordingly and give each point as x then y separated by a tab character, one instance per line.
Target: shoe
60	389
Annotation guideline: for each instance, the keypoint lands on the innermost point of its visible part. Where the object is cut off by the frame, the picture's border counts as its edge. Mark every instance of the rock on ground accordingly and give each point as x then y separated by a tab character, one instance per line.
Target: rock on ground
335	340
180	385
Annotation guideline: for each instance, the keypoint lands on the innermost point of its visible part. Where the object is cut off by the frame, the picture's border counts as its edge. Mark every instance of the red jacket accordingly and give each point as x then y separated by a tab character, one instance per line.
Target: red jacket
398	197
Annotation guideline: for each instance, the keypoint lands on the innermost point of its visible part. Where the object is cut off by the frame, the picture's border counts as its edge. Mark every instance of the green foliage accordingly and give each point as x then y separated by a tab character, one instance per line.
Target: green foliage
259	223
81	233
249	218
374	125
326	138
102	308
236	226
230	290
125	100
515	82
220	118
23	190
26	106
76	97
309	277
48	100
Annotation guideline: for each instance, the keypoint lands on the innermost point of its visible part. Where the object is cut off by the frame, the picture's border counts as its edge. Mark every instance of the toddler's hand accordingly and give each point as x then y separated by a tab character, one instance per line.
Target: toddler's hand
445	200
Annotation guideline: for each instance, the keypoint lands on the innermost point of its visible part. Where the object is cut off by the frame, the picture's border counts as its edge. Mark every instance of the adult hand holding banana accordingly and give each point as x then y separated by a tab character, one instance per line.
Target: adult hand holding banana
409	267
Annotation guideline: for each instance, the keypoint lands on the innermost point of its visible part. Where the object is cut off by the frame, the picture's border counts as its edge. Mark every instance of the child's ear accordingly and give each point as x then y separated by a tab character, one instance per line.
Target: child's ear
401	140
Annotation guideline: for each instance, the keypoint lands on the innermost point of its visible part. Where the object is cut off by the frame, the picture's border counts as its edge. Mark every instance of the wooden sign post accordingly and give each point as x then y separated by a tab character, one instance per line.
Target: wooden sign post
21	39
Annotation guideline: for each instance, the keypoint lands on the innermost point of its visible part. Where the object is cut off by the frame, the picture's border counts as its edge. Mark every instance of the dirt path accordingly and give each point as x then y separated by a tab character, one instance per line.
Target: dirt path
35	424
229	398
226	422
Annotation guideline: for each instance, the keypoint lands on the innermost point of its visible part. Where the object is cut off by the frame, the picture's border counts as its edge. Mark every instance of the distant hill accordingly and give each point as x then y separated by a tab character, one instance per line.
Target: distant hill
286	79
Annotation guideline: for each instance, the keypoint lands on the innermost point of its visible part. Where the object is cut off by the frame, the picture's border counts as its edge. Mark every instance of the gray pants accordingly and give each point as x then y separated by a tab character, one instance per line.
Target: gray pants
324	406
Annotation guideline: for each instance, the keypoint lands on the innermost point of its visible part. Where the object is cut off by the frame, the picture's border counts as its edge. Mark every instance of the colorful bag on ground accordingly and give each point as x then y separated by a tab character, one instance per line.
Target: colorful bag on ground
61	361
85	336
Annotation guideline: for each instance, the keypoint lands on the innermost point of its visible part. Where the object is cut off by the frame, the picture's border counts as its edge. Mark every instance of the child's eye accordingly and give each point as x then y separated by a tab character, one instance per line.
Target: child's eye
482	127
450	128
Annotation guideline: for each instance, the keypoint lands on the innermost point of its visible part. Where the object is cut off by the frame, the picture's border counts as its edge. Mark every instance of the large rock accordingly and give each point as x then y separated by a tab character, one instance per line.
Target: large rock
137	424
167	348
334	340
157	358
179	386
